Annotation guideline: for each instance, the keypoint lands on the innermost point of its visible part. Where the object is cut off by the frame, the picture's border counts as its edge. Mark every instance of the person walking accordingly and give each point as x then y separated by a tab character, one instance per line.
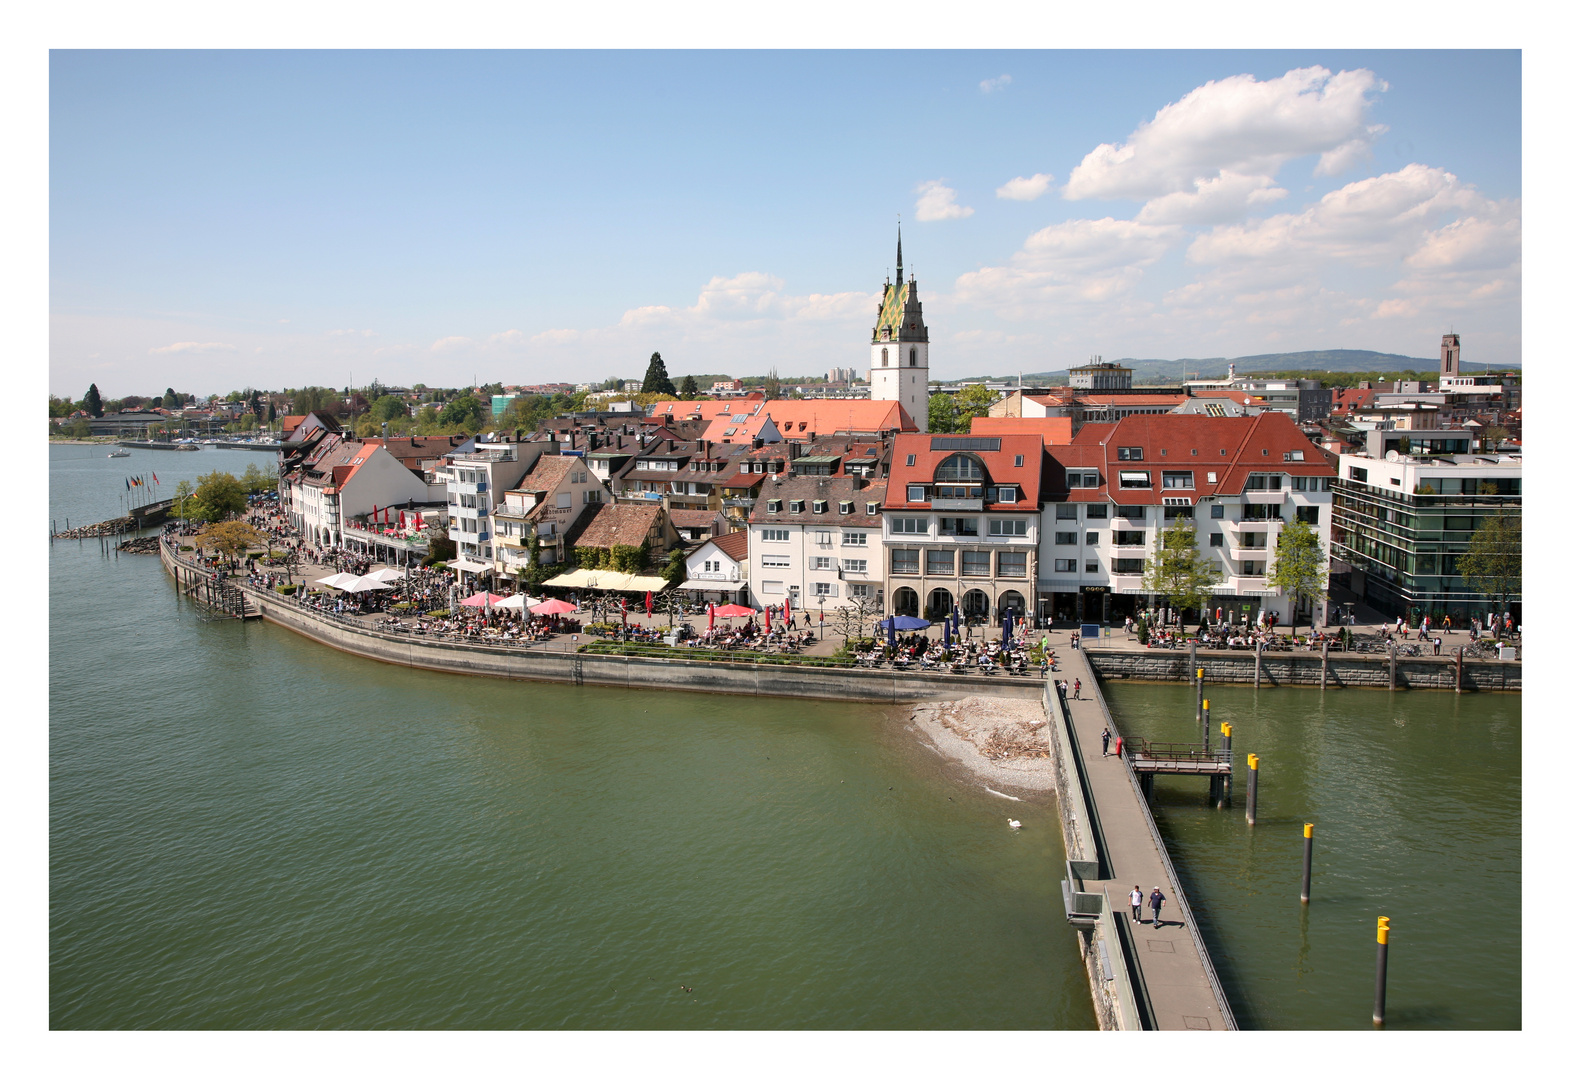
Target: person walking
1157	900
1077	689
1135	900
1107	737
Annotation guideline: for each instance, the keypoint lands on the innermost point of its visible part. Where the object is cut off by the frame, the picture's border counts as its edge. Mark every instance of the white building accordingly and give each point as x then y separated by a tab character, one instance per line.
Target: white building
817	541
476	477
717	570
899	349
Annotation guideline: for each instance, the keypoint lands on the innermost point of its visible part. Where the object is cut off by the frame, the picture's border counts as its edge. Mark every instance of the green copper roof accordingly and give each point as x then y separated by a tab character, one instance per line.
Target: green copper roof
892	313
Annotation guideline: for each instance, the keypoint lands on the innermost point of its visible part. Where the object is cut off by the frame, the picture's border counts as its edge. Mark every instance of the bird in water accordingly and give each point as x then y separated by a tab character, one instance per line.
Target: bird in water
1013	824
689	989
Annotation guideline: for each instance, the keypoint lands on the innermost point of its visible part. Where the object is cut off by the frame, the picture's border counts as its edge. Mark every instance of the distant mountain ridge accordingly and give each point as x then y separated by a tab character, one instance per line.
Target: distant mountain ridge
1173	372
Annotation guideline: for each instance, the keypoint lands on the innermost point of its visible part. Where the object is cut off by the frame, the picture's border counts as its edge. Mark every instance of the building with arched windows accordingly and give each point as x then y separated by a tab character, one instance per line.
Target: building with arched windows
899	356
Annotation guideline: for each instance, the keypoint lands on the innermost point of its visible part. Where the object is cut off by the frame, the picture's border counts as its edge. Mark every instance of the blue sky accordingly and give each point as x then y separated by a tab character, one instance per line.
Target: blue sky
224	219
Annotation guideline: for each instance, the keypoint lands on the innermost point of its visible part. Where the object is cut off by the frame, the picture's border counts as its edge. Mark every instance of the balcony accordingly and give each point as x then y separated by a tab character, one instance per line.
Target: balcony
739	504
957	504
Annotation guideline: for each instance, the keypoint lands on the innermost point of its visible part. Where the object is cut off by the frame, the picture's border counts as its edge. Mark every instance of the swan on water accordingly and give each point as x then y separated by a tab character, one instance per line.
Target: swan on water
1013	824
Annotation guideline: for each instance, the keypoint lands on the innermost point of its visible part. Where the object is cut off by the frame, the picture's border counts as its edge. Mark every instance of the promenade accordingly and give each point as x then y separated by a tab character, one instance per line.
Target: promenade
1180	986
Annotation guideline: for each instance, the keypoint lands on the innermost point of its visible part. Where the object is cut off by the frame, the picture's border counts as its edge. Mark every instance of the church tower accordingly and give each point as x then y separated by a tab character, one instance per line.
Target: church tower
1450	356
899	367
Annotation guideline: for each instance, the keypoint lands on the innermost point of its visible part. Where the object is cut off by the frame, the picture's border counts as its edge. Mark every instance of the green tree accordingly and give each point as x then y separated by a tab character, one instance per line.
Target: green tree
1179	571
675	571
252	479
463	411
170	400
972	401
388	407
772	385
656	380
218	494
183	491
689	387
59	406
941	413
1493	562
440	546
92	402
231	538
272	414
1299	568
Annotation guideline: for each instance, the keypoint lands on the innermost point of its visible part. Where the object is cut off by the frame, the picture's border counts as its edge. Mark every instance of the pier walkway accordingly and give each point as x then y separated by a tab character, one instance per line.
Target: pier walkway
1179	983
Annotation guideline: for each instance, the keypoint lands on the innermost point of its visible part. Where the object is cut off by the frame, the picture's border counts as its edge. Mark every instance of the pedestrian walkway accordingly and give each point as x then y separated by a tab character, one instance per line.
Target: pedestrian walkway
1180	985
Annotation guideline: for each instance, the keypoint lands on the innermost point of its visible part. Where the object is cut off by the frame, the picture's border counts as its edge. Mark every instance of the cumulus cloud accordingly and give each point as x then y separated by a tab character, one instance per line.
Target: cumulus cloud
1084	262
1025	188
194	347
936	202
1240	125
989	85
452	343
352	333
1226	197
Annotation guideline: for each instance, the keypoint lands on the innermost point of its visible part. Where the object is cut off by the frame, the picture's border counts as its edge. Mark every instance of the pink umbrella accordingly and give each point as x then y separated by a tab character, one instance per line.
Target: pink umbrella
788	611
553	607
482	599
732	611
766	620
711	616
649	603
400	519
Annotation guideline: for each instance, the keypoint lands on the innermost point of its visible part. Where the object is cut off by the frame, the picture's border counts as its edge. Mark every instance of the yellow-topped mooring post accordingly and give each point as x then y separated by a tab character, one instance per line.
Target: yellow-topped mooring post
1252	792
1200	691
1309	852
1227	748
1382	940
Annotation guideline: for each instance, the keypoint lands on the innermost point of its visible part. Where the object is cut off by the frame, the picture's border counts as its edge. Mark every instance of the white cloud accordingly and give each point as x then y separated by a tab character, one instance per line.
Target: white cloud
989	85
194	347
1223	198
452	343
1025	188
937	203
1240	125
352	333
1074	262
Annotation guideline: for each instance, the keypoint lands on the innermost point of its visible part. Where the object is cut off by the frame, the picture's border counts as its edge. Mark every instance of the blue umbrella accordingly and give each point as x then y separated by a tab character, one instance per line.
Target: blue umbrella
1006	629
891	623
946	633
905	622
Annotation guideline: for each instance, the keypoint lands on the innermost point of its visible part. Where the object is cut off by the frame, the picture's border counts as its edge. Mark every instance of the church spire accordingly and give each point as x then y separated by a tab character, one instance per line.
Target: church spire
899	268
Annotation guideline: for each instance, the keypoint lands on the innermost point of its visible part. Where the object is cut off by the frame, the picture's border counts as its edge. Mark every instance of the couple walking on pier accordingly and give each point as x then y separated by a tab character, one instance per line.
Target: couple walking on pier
1156	899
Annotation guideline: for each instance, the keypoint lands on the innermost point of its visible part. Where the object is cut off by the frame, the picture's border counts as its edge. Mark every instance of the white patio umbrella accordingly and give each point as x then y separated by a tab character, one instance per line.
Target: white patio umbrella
387	573
365	584
336	581
516	602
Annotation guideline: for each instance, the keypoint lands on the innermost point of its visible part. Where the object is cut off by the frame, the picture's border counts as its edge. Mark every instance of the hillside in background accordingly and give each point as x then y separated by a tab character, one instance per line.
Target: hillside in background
1173	372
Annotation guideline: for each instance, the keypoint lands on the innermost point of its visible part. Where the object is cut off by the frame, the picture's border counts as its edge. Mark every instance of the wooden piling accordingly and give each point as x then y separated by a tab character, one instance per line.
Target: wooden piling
1325	661
1391	677
1459	669
1259	646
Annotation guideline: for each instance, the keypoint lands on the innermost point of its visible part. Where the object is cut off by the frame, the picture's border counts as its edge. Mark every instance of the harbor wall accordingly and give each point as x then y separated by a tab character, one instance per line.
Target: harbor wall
1304	669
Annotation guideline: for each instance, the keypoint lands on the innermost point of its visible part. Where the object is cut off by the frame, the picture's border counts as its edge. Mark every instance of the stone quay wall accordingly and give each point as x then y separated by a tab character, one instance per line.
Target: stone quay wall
1304	669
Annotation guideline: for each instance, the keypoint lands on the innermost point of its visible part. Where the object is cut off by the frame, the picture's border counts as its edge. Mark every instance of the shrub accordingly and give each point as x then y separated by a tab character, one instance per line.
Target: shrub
1143	632
287	590
186	547
437	613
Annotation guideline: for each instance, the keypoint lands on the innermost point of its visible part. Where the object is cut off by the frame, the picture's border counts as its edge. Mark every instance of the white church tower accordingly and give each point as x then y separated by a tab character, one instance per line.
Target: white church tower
899	369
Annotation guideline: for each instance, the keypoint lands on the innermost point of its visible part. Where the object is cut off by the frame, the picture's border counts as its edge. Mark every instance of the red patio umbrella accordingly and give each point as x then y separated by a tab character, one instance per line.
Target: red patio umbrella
788	611
649	603
732	611
553	607
482	599
766	618
711	616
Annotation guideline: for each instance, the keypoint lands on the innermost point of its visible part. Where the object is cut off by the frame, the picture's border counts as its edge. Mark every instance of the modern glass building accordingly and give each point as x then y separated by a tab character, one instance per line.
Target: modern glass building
1401	524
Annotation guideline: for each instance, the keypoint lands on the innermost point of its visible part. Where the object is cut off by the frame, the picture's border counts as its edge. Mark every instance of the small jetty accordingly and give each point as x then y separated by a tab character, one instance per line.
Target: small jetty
139	518
140	444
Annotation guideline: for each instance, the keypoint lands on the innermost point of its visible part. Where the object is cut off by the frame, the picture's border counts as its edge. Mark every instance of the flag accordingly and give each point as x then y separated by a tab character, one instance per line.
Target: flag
128	485
155	478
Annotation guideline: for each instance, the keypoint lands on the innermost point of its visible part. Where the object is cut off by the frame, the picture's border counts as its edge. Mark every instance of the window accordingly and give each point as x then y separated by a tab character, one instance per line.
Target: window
1264	482
885	352
823	537
1012	564
861	590
908	525
854	539
1174	513
1269	512
823	562
1216	539
957	526
941	563
1020	461
776	534
1355	473
1091	539
711	566
1063	566
1129	566
591	497
1133	513
916	493
774	506
1292	455
1128	479
872	509
1253	568
798	505
1131	453
1082	479
1092	568
1126	538
910	460
854	566
564	499
820	506
1218	511
1309	514
1008	527
845	506
904	561
1311	483
774	561
975	563
1252	540
823	588
1097	511
1063	538
959	468
1008	495
1068	512
1182	481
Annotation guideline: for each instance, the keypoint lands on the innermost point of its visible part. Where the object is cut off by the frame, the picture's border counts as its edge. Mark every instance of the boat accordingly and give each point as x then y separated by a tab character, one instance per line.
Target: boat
119	453
188	446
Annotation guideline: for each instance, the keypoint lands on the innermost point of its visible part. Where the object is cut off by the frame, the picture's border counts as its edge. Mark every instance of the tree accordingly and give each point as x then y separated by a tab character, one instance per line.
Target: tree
218	494
941	414
973	400
272	414
1494	435
1299	568
170	400
675	571
462	411
689	387
92	402
1179	571
252	480
231	538
1493	562
440	547
772	385
183	492
656	381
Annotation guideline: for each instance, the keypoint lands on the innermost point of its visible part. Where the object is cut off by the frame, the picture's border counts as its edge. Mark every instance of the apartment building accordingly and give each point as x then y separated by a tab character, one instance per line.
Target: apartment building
545	504
816	540
476	475
961	525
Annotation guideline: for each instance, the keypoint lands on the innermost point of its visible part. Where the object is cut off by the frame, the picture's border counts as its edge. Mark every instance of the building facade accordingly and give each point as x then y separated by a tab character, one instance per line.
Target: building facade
816	540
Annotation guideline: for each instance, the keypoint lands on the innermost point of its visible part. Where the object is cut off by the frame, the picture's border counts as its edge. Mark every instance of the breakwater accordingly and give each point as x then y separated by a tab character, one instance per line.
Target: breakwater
1336	670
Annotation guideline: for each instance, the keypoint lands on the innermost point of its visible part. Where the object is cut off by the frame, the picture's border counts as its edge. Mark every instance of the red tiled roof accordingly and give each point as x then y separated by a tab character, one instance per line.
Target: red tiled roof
1000	466
1055	430
733	543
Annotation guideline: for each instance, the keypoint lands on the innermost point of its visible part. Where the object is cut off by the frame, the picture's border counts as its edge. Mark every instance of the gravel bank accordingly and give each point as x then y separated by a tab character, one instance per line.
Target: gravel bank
1001	740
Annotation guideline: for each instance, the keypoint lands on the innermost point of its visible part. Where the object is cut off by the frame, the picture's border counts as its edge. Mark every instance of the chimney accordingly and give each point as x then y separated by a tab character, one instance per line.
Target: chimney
758	444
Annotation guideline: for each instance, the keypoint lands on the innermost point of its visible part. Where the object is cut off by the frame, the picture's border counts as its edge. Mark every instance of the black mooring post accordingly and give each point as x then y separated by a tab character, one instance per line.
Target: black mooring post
1382	936
1309	855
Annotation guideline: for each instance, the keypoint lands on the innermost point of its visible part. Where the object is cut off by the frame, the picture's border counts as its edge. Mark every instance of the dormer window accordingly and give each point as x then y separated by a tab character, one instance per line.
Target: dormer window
797	506
820	506
774	506
846	506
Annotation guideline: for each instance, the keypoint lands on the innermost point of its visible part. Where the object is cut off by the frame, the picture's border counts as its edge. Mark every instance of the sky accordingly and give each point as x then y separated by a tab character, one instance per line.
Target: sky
226	219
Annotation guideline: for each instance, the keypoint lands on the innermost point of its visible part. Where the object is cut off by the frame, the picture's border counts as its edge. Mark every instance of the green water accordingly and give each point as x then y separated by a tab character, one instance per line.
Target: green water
248	831
1416	802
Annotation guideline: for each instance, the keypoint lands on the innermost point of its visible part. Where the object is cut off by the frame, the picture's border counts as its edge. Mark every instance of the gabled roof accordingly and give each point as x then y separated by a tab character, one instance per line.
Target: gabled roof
928	451
1054	430
830	489
733	543
693	519
619	523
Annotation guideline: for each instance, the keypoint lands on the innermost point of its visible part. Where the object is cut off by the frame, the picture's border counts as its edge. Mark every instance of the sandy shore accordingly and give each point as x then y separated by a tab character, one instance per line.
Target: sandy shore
1000	740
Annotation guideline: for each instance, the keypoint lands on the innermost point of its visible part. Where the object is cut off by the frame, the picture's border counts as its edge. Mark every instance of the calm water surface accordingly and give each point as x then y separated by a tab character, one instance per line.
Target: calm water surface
249	831
1416	801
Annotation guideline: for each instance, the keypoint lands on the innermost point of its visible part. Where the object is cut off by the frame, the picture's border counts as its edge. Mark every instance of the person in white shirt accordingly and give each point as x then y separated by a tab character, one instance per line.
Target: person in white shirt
1135	900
